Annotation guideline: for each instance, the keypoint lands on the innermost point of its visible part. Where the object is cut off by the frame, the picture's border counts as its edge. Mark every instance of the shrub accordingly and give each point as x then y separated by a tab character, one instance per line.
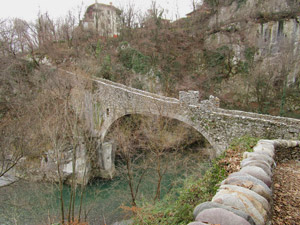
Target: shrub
135	60
177	207
180	211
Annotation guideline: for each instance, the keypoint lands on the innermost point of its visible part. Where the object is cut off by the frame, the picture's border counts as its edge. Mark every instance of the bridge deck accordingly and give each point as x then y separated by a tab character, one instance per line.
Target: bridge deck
235	113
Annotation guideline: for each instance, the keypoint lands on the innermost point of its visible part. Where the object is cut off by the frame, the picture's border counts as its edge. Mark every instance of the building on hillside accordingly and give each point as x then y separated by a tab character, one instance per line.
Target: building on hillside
105	19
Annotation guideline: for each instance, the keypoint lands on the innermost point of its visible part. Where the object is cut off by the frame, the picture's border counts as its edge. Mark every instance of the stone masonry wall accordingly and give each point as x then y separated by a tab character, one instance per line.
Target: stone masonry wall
245	197
109	101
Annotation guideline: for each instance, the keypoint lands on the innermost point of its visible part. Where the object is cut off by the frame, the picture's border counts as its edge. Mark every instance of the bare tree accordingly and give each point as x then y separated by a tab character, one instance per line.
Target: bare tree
144	145
125	135
195	4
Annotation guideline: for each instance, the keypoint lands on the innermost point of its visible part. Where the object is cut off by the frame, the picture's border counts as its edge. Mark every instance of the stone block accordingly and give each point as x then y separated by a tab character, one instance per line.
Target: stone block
208	205
245	176
242	202
220	216
197	223
262	165
248	193
259	156
257	172
257	187
189	98
265	148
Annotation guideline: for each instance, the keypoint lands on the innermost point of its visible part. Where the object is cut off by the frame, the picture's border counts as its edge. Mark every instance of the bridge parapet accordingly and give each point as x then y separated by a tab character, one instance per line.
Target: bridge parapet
189	97
101	102
284	120
192	98
211	102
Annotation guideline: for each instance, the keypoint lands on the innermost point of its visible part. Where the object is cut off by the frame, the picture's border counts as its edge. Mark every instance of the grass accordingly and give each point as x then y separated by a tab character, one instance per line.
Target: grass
177	207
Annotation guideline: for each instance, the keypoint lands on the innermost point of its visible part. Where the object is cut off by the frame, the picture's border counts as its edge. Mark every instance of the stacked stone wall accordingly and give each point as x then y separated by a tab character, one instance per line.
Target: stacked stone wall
245	197
108	101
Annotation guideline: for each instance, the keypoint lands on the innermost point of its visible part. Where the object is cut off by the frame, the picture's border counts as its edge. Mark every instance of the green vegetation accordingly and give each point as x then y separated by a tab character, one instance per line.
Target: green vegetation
135	60
245	143
203	52
177	207
220	62
240	3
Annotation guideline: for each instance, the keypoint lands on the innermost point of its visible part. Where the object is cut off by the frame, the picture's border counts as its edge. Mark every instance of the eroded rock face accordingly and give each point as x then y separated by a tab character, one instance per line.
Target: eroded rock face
220	216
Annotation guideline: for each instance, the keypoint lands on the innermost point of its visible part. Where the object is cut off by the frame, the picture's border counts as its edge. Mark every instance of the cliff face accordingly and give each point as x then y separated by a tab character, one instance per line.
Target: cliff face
260	41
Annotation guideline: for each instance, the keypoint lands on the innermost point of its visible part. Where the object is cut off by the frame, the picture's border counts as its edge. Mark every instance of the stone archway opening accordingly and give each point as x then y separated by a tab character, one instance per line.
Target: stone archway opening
156	153
146	131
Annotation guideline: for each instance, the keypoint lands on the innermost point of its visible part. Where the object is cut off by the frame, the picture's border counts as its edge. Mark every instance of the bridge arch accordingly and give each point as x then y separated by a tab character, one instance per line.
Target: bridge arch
107	101
107	124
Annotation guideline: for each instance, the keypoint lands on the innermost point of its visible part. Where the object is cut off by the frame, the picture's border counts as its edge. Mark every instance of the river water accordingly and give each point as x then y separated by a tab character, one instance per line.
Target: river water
38	203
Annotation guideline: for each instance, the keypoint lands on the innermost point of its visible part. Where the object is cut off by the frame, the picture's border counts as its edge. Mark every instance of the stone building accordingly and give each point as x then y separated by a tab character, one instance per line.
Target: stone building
105	19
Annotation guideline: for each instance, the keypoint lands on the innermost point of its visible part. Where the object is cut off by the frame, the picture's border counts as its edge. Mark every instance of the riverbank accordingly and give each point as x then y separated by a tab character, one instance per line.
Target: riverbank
104	201
177	207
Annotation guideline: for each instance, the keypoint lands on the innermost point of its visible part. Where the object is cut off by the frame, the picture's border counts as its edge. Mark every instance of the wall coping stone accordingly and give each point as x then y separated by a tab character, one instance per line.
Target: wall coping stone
265	149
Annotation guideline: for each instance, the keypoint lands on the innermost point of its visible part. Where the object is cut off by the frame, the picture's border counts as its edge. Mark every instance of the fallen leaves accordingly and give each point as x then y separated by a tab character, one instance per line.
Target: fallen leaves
286	194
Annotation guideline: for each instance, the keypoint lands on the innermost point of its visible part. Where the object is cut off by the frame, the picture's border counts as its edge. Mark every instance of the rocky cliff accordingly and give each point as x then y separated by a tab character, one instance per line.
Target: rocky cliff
251	48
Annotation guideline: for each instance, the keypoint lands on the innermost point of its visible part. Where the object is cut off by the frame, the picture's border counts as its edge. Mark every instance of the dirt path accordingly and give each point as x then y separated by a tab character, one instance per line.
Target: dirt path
286	195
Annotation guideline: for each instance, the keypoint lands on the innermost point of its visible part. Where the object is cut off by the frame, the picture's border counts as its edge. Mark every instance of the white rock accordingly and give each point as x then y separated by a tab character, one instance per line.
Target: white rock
259	173
241	202
252	184
249	193
260	164
259	156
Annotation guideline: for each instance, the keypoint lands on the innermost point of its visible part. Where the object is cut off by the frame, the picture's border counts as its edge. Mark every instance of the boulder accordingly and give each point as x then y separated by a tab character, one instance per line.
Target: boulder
220	216
292	144
243	203
259	156
260	164
267	149
257	172
250	184
244	162
283	143
275	143
249	193
197	223
208	205
265	152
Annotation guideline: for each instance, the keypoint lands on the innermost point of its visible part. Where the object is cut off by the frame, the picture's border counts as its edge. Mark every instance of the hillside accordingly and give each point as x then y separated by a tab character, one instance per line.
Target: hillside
245	52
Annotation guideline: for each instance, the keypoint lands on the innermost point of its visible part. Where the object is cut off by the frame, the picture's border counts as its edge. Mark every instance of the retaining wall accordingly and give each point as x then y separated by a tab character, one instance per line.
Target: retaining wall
245	197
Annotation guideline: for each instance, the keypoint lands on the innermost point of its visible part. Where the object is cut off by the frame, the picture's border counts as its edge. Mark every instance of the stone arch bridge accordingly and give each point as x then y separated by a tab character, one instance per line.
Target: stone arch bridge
110	101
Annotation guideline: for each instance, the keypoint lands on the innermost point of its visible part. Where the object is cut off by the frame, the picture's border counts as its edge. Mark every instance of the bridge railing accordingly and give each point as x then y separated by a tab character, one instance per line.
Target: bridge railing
134	90
288	121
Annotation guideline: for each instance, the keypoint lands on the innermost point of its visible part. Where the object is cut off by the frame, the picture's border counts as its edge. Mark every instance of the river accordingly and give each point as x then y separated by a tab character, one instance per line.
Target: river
38	203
